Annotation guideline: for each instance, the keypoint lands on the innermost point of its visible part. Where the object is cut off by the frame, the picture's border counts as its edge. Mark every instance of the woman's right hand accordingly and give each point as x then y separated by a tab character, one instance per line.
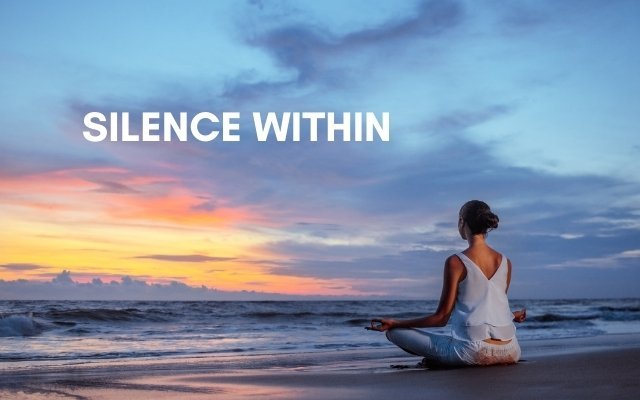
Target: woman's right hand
381	324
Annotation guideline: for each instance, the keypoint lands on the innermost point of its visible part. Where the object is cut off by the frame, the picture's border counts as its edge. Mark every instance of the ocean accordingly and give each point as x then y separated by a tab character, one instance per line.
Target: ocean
85	331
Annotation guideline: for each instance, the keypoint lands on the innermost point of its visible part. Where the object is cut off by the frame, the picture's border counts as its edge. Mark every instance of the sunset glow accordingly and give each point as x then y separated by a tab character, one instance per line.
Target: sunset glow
531	109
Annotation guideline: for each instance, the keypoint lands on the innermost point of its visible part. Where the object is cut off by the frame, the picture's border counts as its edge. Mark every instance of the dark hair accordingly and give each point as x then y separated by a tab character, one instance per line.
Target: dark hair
478	217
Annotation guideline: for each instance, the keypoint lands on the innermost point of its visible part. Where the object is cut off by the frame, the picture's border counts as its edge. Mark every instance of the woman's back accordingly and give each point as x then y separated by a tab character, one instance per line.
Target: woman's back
482	309
486	258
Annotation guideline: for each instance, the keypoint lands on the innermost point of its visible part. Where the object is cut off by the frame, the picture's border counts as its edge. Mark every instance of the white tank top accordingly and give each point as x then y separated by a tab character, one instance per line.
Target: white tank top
482	308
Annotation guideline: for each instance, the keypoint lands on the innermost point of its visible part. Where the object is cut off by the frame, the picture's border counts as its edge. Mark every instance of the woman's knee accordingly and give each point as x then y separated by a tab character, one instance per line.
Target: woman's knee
388	335
407	339
399	336
392	334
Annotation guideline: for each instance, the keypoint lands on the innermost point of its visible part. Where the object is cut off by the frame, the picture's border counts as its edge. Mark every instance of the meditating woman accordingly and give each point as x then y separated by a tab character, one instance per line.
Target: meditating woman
474	297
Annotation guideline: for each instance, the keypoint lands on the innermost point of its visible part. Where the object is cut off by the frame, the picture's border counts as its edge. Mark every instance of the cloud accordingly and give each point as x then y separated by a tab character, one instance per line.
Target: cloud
63	287
415	265
194	258
520	18
208	205
356	211
123	194
314	52
113	187
457	121
332	214
614	221
630	254
571	236
619	260
430	19
21	267
64	278
16	162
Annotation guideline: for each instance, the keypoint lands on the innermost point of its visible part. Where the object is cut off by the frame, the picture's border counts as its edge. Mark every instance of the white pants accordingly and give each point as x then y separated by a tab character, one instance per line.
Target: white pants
446	351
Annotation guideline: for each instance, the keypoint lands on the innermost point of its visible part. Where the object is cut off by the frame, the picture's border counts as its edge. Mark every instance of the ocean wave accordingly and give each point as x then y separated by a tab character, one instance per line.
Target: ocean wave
551	317
19	325
101	314
295	314
53	330
358	321
630	309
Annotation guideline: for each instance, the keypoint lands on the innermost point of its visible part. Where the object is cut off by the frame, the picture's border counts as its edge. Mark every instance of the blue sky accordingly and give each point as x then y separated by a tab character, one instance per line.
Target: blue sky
530	106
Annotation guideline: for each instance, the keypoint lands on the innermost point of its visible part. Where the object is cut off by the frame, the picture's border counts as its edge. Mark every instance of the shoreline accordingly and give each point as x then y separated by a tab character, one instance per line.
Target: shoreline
589	367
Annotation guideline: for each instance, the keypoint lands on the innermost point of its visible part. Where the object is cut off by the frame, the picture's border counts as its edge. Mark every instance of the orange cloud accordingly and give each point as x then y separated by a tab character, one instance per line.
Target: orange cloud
116	193
178	206
95	222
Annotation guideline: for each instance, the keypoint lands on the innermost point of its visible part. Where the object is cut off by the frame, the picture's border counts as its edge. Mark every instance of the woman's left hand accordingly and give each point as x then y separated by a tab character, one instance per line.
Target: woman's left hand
381	324
520	315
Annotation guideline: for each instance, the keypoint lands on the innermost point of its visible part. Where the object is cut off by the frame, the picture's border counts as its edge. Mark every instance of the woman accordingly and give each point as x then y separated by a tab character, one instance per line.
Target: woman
474	297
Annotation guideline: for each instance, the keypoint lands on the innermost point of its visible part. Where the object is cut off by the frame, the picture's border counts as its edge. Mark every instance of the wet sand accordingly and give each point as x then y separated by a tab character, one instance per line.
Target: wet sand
603	367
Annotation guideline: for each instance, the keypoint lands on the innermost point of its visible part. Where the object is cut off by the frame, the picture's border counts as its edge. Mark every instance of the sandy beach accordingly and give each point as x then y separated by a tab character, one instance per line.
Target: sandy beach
602	367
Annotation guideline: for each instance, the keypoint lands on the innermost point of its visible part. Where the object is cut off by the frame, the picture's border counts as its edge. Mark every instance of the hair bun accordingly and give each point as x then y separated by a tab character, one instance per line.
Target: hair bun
479	217
490	220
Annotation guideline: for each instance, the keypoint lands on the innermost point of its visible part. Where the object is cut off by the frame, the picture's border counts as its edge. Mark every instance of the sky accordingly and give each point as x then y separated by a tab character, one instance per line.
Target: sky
530	106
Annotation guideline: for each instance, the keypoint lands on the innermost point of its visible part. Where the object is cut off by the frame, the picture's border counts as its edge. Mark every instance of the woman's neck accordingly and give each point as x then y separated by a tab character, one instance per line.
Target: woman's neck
476	240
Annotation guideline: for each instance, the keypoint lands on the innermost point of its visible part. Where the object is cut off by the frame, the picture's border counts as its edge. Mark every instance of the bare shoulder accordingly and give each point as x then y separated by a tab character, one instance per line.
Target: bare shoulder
454	270
454	263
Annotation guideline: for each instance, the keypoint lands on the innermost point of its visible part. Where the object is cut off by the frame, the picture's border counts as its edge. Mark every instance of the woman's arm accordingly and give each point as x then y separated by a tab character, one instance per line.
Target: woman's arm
454	273
520	315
